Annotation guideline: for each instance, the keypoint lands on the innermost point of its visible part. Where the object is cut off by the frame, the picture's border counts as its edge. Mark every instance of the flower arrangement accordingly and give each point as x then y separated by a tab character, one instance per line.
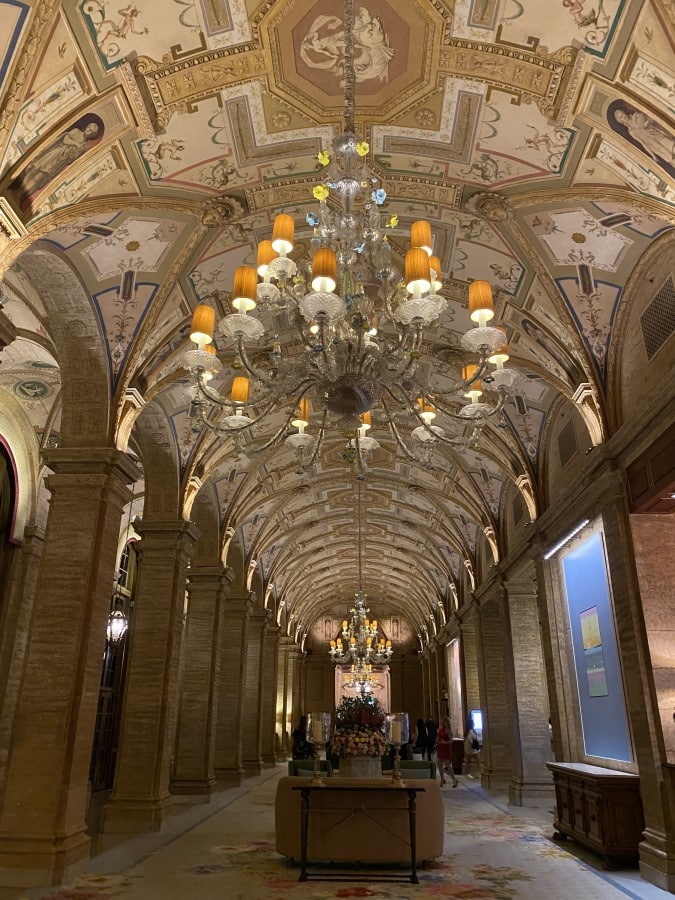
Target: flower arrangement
359	725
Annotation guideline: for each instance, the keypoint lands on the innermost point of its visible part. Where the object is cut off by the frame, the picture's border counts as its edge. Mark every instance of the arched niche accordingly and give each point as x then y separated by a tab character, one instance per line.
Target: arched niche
18	439
514	519
206	516
156	445
565	443
643	344
80	348
236	562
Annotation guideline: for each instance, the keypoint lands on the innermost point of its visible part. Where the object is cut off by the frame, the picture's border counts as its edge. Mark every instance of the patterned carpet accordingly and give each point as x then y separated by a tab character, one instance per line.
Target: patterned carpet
490	852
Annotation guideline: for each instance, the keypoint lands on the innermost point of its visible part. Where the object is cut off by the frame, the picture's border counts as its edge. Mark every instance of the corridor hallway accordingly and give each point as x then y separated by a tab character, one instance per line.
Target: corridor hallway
225	850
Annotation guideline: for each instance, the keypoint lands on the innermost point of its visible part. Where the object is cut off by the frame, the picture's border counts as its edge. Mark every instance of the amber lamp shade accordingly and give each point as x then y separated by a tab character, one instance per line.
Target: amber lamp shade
427	410
365	421
417	274
324	270
475	387
302	418
501	355
420	235
203	322
266	253
240	389
244	288
283	233
435	266
481	307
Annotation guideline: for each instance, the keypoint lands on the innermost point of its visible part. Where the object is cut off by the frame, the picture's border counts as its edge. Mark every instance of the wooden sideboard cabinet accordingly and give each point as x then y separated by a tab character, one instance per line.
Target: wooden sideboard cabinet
598	807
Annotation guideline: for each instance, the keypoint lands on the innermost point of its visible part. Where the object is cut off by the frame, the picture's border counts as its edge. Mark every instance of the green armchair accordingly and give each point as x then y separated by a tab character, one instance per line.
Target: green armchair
418	768
306	767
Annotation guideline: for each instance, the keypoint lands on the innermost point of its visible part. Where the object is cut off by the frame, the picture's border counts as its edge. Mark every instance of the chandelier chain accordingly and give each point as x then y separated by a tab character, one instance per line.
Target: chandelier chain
349	74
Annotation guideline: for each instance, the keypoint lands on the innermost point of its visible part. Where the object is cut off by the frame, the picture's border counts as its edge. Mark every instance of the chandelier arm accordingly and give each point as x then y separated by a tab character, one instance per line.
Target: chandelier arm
246	363
397	437
320	437
453	442
360	459
466	384
213	426
211	395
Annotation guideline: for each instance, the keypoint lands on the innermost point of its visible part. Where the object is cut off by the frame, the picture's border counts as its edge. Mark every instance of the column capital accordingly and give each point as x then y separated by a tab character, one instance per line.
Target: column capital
207	573
170	527
237	606
79	469
271	627
84	460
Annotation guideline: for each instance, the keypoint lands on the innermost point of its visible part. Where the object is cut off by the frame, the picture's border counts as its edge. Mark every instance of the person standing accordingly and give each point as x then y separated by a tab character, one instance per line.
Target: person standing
420	740
301	747
471	748
432	731
444	751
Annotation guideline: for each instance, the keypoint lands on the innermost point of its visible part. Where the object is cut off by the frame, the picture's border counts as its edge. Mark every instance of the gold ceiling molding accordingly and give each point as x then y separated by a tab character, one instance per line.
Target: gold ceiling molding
31	58
588	194
176	86
531	76
90	207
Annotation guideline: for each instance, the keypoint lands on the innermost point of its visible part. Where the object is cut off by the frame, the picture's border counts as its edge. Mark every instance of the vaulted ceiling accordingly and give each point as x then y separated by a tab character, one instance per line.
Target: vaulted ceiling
149	148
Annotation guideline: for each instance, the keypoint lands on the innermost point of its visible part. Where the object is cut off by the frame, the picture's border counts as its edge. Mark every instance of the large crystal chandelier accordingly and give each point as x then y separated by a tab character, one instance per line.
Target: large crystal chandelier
360	326
360	643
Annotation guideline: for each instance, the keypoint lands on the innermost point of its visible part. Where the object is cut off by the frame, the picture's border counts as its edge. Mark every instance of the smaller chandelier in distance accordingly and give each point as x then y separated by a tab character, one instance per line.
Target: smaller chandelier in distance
362	680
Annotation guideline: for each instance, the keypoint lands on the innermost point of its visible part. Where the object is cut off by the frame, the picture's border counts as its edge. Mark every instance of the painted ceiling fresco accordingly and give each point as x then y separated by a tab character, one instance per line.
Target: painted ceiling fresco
151	145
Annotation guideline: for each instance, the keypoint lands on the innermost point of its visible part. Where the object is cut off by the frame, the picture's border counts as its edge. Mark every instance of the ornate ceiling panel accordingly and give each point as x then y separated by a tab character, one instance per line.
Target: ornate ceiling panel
150	147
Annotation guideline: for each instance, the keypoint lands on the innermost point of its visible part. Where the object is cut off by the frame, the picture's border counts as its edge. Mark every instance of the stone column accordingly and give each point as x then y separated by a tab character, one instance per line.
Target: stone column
497	752
295	708
640	614
469	667
426	686
42	822
228	757
19	597
251	689
148	725
531	781
194	771
654	542
284	744
268	692
435	681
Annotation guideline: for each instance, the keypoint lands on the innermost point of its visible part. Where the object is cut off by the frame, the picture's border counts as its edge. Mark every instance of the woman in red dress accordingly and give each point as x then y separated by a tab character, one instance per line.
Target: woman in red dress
444	751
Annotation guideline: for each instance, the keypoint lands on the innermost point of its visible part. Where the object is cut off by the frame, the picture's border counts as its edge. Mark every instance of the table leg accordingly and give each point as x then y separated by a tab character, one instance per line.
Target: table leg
304	829
412	815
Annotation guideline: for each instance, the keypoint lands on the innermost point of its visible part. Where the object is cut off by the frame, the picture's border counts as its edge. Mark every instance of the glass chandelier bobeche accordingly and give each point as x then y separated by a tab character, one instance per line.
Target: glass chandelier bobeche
361	325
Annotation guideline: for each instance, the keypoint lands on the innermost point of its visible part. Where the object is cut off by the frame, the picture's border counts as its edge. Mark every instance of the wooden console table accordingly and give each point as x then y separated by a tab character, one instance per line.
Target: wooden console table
306	792
598	807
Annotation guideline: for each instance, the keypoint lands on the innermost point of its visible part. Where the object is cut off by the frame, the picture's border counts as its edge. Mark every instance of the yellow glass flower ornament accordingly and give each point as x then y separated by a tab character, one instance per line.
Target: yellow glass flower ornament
324	157
320	192
392	222
362	148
